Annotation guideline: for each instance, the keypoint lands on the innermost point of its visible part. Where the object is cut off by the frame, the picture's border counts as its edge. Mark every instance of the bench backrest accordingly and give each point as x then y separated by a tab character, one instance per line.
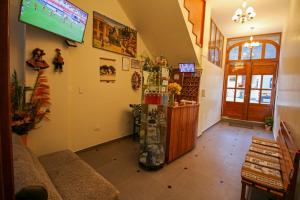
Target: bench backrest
290	155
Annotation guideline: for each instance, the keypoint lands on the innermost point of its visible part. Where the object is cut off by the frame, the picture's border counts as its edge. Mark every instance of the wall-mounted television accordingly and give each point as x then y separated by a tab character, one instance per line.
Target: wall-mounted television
187	67
57	16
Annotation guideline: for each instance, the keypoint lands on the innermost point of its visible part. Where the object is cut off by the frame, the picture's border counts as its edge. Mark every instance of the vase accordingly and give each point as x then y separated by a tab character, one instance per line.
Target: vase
24	139
171	100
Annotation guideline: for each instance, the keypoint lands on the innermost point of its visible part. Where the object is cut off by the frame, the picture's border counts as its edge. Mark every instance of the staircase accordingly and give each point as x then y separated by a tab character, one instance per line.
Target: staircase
196	10
169	28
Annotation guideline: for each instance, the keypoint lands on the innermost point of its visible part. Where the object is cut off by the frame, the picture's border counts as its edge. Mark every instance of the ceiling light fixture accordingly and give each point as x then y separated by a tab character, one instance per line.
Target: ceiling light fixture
250	43
244	14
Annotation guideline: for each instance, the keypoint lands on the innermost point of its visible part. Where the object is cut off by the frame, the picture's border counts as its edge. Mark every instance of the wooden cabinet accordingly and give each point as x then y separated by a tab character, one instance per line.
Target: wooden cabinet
182	130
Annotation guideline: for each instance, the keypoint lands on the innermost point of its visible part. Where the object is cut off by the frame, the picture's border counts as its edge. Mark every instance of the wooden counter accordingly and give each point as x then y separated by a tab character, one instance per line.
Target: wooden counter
182	130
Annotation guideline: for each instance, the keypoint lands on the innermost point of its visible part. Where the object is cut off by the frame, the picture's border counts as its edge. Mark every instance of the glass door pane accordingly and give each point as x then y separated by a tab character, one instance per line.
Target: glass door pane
265	97
254	96
230	95
241	81
239	96
231	81
256	81
267	81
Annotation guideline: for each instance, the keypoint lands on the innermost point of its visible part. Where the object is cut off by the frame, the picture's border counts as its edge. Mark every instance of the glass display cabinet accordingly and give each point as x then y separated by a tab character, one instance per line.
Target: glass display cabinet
153	128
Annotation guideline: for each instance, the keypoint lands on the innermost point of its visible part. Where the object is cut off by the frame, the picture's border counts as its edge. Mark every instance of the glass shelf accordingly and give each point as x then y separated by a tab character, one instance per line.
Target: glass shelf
154	118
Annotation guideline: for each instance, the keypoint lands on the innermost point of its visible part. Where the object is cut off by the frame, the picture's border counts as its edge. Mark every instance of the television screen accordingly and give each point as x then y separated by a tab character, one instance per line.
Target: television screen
187	67
57	16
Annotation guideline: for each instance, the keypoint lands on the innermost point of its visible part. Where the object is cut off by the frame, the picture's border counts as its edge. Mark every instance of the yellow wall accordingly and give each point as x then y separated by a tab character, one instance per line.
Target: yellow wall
288	95
211	83
17	42
84	112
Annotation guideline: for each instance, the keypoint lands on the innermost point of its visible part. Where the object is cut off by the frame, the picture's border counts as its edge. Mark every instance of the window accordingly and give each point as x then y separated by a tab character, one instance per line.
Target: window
215	49
261	89
234	53
245	53
270	51
263	47
256	52
236	88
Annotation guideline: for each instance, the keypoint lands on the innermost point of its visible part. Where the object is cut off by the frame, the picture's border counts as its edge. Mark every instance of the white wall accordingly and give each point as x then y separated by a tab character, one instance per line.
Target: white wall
85	112
100	111
288	94
211	83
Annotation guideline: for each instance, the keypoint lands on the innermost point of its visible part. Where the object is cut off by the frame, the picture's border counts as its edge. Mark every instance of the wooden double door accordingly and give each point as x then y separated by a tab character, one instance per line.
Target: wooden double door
249	90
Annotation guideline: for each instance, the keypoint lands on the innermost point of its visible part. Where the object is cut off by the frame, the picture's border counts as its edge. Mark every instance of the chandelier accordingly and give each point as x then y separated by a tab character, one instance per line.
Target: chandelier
244	14
250	43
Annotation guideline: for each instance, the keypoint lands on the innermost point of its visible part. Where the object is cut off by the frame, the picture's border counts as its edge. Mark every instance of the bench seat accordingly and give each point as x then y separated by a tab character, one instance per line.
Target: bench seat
269	165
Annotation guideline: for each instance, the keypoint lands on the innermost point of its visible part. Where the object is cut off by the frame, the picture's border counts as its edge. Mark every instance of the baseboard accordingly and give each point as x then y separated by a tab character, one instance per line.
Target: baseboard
254	123
104	143
205	130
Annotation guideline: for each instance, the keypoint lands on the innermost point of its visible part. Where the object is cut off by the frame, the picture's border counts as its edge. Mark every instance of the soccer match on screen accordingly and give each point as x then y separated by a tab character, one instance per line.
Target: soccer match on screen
57	16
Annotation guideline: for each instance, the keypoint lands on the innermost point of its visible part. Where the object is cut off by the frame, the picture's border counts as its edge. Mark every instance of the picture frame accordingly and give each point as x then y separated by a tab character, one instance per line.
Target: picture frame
125	64
107	70
113	36
135	64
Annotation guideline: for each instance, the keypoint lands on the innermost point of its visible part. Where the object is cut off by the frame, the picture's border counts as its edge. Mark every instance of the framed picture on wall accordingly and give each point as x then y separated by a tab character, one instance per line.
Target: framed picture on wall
113	36
125	64
135	64
107	70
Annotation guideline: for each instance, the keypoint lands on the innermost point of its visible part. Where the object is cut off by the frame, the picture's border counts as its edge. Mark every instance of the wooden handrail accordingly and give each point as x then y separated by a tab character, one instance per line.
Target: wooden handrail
196	9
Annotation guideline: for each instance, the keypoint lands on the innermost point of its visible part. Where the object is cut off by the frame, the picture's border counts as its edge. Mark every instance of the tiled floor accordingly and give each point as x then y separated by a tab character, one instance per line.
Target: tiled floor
211	171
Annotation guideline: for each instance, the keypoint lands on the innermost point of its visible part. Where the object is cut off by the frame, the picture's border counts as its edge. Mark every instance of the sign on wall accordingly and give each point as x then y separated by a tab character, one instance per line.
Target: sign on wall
113	36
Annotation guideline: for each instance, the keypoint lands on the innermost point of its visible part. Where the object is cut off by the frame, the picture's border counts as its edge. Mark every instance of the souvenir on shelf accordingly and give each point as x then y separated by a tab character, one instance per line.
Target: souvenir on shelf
154	113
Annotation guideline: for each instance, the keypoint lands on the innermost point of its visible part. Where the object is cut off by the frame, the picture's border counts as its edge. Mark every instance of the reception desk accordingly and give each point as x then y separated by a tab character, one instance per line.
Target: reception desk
182	130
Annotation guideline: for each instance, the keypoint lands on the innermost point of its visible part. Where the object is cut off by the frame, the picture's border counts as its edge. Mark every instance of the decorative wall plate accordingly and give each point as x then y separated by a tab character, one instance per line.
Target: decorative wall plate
136	81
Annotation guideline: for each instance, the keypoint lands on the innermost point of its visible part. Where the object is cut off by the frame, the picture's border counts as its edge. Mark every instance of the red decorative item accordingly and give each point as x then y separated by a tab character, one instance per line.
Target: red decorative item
58	61
25	115
37	62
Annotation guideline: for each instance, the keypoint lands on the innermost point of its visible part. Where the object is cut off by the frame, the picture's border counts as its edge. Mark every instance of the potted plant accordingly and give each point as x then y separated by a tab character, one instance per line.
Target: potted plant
269	123
26	115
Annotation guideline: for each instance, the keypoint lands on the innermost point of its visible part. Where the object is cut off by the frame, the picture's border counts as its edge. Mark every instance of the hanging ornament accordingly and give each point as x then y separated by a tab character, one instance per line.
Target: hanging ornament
58	61
36	61
136	81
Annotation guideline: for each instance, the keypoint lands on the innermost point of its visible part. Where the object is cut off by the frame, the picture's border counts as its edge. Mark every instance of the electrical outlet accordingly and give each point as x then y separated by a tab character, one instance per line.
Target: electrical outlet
203	93
97	129
80	90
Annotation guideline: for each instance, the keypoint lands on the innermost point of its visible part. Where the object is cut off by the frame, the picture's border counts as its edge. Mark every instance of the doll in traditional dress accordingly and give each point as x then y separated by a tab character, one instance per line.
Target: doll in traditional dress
58	61
36	61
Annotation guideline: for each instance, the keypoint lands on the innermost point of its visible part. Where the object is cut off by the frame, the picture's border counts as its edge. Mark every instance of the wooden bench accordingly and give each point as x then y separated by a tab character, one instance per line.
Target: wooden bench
272	166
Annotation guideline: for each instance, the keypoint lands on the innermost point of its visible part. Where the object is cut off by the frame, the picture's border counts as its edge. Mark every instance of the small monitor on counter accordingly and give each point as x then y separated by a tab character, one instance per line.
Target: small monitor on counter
187	67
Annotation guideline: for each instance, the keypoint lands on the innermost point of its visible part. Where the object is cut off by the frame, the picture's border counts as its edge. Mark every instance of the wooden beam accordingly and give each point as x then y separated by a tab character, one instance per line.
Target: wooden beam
6	166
